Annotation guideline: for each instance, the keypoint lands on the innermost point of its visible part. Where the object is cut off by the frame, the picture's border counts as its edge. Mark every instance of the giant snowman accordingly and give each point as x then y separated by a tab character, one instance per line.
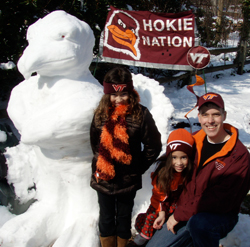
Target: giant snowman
52	112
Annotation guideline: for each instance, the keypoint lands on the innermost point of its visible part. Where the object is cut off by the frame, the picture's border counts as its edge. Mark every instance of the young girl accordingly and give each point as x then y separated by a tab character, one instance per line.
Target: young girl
173	172
119	128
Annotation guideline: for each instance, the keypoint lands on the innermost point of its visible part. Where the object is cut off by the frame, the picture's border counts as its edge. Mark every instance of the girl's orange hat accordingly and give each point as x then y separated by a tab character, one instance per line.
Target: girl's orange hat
180	140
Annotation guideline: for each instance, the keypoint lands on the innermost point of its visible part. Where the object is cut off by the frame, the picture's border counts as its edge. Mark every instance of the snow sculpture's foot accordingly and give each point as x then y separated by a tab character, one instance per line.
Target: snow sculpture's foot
21	231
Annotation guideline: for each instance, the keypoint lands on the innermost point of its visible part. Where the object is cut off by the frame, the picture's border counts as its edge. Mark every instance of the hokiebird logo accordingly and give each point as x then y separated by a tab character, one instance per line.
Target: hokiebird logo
121	34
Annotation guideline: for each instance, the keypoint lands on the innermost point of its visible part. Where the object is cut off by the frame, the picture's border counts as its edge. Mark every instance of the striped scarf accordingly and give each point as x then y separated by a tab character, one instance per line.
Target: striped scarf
114	146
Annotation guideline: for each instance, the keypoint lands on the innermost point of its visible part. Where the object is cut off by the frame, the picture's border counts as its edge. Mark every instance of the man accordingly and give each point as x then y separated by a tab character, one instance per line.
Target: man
209	209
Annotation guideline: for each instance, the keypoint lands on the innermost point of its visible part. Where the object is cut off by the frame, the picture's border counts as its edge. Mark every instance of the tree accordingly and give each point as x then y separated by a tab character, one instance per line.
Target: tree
15	17
245	30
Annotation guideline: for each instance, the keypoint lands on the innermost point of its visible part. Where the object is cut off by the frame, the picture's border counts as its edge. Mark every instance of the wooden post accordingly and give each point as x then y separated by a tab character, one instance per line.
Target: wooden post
219	26
242	57
219	12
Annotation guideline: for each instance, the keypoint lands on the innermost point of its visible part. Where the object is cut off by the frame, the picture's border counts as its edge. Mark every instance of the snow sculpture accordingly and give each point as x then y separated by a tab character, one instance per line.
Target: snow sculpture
52	111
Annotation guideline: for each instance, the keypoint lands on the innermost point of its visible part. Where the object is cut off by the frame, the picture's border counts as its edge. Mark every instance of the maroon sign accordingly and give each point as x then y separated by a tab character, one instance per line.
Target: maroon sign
147	39
198	57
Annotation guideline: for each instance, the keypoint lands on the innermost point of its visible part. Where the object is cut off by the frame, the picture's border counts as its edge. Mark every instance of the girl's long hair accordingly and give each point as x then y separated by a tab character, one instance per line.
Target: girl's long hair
118	75
165	173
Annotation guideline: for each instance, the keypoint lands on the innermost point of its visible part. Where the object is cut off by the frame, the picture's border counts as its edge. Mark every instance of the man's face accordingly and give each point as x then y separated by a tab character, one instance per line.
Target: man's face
211	118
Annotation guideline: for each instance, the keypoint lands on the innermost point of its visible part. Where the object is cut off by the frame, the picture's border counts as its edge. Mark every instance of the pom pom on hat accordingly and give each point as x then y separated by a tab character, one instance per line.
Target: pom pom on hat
180	140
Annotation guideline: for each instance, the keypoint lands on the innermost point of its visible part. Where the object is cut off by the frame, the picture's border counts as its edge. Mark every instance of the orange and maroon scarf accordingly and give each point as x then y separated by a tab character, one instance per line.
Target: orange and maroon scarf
114	146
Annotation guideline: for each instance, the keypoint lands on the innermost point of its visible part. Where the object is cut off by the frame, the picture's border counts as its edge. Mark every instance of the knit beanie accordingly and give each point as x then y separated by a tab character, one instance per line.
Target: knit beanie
180	140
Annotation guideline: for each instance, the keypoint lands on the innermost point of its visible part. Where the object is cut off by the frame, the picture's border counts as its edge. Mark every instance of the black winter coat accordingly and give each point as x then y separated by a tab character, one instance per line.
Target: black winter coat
128	177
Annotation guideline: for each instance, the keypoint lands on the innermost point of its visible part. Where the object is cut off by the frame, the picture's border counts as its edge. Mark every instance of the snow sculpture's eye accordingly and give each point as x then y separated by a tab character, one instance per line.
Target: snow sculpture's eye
121	23
63	36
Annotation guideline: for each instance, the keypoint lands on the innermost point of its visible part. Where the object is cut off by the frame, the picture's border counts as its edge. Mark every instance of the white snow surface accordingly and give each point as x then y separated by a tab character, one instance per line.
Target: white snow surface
52	112
3	136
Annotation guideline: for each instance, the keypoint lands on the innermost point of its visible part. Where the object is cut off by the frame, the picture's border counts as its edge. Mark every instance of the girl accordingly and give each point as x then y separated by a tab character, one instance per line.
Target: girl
172	174
119	126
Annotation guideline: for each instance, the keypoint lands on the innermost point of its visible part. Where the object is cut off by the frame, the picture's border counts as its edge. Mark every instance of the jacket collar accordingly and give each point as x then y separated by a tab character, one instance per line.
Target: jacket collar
200	135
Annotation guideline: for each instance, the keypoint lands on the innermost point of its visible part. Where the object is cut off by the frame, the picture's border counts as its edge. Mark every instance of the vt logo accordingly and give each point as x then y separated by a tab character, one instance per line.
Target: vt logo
119	88
219	164
209	96
198	57
174	146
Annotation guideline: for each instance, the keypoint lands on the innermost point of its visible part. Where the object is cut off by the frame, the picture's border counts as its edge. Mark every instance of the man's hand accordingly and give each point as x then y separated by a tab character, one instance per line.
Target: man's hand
171	223
159	221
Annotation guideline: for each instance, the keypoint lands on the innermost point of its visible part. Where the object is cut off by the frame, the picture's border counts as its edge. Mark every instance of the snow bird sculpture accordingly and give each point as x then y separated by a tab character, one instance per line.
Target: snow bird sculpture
52	111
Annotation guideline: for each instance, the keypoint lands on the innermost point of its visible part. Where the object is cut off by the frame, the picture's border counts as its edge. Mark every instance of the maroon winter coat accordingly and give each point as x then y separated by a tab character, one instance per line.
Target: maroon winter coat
223	182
